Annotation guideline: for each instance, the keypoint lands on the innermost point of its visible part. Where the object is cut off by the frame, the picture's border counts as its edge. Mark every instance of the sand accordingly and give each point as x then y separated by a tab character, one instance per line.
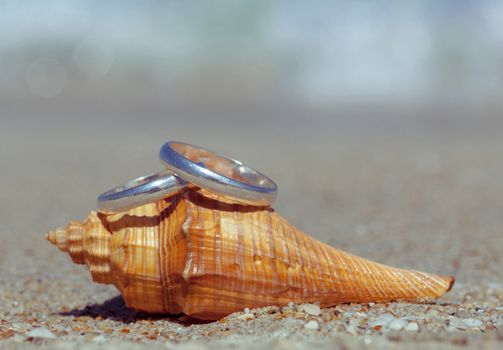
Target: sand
427	201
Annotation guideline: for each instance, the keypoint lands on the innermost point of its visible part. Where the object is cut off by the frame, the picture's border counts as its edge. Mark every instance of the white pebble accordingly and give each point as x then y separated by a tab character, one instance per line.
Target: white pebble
397	324
472	323
41	333
312	326
311	309
246	310
383	320
412	327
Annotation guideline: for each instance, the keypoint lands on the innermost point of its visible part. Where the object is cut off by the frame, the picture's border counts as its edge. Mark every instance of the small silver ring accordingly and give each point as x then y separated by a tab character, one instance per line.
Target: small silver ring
224	176
142	190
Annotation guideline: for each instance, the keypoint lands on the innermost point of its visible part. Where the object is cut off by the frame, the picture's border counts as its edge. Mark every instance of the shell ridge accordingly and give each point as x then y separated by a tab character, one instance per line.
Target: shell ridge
379	283
190	249
331	272
250	238
299	262
271	244
215	215
319	280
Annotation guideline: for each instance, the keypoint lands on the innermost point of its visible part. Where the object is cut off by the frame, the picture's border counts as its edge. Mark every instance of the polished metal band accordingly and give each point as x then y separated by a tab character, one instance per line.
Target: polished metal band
211	171
140	191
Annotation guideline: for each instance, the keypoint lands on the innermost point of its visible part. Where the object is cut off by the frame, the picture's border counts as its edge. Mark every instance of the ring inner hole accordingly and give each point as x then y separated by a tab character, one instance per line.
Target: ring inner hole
222	165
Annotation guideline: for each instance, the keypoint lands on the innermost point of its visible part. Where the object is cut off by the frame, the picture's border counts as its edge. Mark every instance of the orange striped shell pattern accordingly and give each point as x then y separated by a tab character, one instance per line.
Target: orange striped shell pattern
200	254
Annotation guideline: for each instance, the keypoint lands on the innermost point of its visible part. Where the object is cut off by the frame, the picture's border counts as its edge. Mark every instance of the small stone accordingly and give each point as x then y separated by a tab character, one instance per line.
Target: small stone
246	310
455	323
310	309
18	325
312	326
397	324
472	323
383	320
412	327
41	333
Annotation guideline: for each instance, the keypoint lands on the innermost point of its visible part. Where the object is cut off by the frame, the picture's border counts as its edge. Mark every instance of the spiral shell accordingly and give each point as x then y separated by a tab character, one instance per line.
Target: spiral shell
206	257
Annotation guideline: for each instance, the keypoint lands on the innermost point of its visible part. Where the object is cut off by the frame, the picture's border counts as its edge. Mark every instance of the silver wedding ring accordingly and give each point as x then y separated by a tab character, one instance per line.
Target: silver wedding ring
191	165
140	191
209	170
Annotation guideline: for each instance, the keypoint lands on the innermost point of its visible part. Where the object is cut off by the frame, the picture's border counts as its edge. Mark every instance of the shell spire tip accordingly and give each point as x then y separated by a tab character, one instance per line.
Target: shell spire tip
58	238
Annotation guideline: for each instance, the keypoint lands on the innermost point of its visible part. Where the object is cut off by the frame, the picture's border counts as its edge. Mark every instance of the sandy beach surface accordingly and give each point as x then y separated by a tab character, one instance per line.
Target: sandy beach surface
431	201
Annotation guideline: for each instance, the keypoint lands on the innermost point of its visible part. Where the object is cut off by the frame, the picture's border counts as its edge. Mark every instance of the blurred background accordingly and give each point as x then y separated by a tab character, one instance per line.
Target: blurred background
387	64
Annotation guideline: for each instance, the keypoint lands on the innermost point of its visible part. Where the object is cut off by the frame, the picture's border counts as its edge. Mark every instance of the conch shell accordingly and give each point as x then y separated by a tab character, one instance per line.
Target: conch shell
204	256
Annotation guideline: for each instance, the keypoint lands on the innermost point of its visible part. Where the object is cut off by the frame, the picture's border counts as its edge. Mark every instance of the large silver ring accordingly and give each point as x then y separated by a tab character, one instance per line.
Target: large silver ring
140	191
224	176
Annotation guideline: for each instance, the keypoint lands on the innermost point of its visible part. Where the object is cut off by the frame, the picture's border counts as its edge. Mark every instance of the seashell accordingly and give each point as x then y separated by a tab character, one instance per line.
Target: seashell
204	256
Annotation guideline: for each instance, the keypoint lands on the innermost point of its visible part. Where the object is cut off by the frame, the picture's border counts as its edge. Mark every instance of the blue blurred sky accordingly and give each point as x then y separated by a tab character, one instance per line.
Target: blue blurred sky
321	53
